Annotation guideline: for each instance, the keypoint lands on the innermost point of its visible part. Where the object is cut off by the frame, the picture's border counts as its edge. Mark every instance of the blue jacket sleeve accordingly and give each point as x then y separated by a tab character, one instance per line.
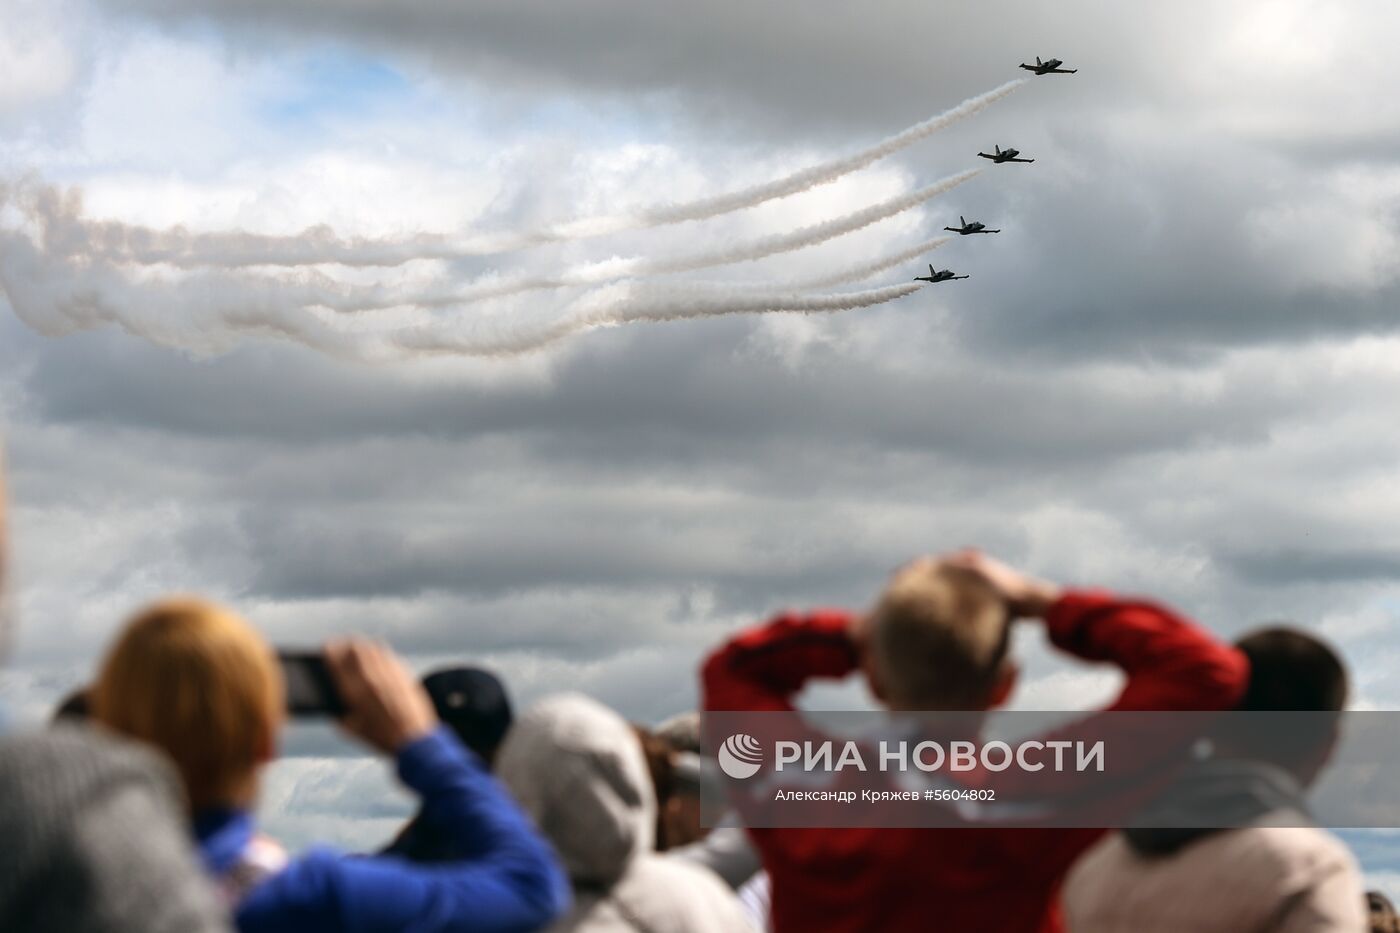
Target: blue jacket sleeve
507	881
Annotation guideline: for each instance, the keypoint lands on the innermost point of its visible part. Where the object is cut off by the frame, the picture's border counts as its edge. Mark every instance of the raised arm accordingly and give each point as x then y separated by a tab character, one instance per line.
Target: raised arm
1171	663
507	878
764	668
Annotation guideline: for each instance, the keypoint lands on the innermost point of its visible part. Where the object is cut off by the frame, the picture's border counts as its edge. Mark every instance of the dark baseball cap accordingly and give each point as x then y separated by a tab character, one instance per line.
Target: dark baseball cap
472	702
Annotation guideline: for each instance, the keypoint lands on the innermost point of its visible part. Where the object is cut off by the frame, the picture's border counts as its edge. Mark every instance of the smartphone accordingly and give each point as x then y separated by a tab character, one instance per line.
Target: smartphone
310	686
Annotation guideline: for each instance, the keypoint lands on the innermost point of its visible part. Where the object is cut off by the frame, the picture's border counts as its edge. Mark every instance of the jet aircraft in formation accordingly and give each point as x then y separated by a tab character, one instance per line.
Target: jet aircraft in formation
938	275
1001	155
975	227
1051	67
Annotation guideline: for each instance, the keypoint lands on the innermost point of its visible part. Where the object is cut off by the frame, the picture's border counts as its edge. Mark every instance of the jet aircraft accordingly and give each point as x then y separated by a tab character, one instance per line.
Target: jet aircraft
1004	155
975	227
935	275
1051	67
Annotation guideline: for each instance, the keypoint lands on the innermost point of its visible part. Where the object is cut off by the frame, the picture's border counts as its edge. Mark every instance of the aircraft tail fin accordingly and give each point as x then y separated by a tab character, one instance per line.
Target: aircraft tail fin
930	270
962	220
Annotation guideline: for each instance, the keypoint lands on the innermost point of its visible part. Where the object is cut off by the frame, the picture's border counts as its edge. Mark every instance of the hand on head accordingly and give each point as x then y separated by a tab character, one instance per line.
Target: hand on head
385	704
1025	596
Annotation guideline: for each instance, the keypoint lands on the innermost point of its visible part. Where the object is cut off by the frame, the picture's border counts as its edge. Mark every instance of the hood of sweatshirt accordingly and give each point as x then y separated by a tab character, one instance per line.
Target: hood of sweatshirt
50	781
1209	797
577	769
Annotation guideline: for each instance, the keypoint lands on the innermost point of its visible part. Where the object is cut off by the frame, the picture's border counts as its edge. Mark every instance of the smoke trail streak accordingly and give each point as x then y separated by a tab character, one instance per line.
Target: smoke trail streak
637	266
862	272
205	313
796	183
119	242
846	276
648	308
58	213
210	312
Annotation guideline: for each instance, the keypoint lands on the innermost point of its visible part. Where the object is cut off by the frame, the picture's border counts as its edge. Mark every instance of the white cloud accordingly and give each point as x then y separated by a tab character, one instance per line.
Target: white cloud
38	58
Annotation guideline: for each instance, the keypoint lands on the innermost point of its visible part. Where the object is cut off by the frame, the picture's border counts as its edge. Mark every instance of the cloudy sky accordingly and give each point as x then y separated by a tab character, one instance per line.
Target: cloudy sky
1170	373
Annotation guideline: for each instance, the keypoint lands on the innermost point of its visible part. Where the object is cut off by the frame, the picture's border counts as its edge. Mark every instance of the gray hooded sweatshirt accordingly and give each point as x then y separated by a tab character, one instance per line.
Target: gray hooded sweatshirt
578	770
95	840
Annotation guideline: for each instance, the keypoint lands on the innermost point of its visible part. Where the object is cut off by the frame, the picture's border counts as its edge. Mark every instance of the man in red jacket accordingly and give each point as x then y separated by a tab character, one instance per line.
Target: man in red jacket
937	640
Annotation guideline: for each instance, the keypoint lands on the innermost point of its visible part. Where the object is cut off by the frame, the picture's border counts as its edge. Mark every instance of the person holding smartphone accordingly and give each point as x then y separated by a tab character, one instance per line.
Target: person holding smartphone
195	680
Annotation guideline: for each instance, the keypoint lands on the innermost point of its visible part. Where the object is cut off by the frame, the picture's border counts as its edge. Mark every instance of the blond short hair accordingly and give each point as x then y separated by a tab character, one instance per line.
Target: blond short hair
938	638
193	679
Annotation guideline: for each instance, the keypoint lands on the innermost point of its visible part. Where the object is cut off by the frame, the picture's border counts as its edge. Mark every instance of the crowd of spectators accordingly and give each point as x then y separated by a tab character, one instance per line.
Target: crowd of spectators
134	810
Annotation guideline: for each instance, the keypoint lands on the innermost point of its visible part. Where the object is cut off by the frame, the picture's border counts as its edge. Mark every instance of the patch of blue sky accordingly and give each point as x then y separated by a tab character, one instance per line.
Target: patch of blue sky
336	83
338	89
1376	849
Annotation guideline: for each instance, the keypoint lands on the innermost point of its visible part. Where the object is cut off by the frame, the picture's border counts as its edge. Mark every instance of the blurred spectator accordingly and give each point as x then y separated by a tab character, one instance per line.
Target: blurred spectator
94	834
75	707
681	732
661	766
1277	873
675	777
937	639
679	824
680	812
196	680
579	770
1381	912
725	849
472	703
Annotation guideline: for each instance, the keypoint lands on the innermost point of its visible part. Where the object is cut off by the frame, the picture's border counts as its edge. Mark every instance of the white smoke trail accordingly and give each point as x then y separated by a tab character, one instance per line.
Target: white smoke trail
204	313
867	270
845	276
796	183
645	308
119	242
310	288
617	268
210	312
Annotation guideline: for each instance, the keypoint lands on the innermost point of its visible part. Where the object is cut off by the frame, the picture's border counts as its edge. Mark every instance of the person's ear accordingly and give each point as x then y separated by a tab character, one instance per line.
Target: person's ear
1005	684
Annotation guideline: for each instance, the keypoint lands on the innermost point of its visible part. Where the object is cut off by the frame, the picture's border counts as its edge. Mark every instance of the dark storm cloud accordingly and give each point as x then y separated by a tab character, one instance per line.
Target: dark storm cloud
703	401
758	486
663	460
1319	565
859	62
786	60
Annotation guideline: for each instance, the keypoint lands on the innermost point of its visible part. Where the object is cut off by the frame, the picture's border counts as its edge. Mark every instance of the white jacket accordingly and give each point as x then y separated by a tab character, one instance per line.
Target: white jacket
577	769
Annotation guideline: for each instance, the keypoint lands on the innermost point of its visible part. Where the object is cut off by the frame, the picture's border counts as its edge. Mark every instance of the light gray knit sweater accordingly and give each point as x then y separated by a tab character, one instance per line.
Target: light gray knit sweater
92	840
